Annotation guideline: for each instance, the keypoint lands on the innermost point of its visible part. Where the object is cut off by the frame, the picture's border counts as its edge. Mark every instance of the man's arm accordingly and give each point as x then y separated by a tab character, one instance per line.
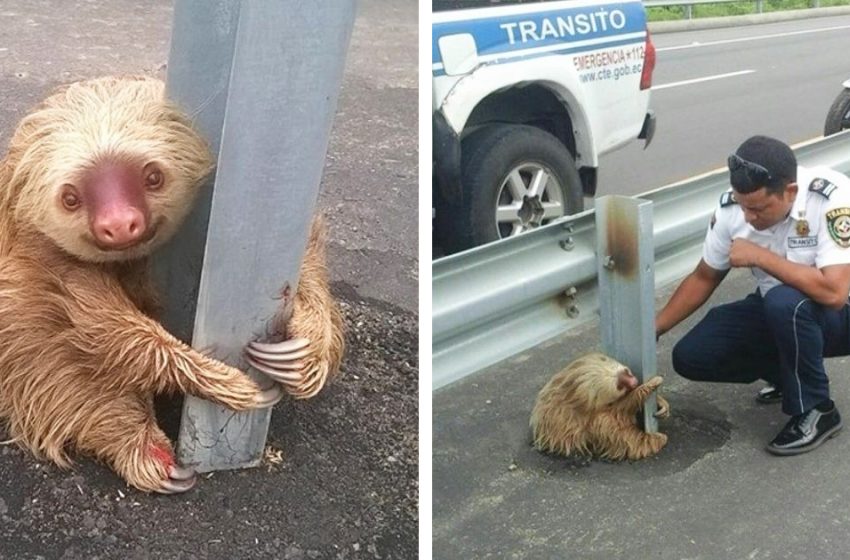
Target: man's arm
694	290
829	286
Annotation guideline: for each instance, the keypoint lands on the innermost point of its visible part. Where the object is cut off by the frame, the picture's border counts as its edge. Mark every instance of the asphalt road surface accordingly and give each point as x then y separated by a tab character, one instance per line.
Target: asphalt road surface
347	483
713	89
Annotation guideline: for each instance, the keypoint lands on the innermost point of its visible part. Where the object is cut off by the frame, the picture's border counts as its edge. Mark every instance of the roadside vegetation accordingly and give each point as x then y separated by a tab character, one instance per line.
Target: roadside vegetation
735	8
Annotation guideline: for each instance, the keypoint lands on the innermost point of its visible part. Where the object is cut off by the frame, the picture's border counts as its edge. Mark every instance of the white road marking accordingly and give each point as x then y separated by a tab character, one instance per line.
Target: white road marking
705	79
756	38
588	202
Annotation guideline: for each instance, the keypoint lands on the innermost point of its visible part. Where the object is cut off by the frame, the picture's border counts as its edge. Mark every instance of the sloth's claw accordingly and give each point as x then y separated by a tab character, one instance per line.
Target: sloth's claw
268	397
179	473
278	356
663	408
280	348
278	362
176	486
179	480
281	375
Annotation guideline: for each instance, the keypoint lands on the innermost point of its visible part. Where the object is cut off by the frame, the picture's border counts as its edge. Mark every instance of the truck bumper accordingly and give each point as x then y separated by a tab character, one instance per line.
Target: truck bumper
648	130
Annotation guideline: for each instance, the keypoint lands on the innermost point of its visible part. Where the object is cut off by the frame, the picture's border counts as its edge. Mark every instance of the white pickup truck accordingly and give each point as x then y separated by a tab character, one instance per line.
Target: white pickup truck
526	97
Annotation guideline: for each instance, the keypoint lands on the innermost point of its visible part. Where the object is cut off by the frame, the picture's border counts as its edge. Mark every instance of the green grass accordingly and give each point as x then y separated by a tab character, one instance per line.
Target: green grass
735	8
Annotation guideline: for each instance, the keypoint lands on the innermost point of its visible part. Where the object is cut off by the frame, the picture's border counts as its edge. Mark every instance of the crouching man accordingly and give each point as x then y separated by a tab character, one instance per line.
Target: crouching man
791	227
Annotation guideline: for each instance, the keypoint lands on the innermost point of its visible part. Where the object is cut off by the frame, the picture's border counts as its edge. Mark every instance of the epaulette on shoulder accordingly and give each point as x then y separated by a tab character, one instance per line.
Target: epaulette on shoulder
727	199
822	187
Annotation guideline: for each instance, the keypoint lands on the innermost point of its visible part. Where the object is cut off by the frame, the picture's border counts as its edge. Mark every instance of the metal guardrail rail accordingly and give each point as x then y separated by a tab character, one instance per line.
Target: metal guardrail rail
501	299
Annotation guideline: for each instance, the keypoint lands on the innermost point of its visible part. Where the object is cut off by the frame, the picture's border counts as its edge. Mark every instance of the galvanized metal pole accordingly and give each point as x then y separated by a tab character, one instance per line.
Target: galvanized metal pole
261	79
626	272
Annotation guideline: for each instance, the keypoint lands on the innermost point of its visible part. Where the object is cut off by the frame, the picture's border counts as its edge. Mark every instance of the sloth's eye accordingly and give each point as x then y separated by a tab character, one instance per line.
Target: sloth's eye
70	200
153	178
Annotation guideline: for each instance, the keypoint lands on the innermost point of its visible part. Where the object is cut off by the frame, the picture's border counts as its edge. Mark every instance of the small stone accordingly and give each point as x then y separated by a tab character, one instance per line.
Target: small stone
3	508
292	552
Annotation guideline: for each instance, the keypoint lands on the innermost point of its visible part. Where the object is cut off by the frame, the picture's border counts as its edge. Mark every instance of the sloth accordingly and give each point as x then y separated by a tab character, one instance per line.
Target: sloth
591	408
97	177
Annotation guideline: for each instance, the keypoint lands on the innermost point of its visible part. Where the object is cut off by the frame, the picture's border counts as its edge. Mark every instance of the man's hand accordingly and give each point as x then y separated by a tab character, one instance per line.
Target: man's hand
688	297
745	253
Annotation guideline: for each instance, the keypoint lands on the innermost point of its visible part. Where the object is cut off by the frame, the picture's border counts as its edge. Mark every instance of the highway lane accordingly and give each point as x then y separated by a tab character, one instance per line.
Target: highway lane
777	79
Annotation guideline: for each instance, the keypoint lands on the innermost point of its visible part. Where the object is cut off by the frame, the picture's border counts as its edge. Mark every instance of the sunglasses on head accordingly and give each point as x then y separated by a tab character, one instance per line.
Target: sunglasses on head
757	174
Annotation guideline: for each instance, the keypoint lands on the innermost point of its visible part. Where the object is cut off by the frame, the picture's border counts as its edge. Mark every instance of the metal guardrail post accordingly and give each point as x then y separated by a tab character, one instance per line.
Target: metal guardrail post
626	272
261	81
689	11
759	6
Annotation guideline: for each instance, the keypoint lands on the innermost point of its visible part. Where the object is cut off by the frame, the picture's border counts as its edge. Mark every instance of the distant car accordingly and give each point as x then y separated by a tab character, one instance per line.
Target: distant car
526	97
838	117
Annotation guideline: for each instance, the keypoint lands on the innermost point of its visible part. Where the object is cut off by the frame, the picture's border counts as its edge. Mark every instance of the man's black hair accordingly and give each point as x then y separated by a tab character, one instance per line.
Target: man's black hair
771	154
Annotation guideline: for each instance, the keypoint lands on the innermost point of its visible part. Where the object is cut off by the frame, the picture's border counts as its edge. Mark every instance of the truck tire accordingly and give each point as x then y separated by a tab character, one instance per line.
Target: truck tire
838	118
514	178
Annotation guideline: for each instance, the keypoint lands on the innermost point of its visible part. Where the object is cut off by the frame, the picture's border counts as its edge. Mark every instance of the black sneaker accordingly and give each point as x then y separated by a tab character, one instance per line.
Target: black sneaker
805	432
769	395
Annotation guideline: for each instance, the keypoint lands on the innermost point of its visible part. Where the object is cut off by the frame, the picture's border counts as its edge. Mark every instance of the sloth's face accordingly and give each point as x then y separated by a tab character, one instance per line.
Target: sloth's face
110	170
119	208
602	379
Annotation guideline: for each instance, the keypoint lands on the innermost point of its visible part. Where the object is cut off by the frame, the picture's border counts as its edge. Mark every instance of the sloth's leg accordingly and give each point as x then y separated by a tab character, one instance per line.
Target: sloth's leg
121	431
642	445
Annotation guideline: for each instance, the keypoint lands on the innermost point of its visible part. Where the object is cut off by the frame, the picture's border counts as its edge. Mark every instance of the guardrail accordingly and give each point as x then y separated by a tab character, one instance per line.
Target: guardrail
501	299
689	4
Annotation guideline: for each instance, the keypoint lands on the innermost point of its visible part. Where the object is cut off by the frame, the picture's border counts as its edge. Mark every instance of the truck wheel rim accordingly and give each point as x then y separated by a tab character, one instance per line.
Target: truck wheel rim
530	196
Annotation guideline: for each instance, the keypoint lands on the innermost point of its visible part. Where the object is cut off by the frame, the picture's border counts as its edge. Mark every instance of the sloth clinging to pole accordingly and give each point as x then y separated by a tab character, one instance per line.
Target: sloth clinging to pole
96	177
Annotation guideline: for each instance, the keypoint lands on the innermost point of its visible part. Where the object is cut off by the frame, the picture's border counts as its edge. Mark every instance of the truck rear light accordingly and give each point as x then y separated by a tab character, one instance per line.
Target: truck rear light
648	63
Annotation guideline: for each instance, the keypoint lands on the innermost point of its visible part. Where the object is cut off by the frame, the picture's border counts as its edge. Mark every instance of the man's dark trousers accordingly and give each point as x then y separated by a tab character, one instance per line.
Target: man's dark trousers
781	338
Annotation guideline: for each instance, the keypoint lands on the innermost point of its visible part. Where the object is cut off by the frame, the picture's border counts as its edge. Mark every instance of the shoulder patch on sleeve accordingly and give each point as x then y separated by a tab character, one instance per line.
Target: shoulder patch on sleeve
838	225
727	199
822	187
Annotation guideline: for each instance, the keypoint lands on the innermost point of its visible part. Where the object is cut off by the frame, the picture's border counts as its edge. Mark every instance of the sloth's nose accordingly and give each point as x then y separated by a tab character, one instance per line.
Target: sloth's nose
119	227
626	380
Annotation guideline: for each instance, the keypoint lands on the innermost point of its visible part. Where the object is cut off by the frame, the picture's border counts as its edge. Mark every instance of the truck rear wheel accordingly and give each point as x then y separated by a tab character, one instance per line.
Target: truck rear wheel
514	178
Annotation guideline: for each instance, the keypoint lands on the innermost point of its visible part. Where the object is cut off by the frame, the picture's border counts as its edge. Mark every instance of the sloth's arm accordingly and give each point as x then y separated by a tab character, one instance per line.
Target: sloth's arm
128	349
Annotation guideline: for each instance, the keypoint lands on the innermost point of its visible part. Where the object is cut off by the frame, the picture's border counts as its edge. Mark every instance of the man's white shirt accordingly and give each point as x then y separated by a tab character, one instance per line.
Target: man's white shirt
816	232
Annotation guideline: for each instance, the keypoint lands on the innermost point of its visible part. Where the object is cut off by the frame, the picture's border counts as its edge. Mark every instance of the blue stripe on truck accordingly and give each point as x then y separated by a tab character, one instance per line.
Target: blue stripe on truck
517	32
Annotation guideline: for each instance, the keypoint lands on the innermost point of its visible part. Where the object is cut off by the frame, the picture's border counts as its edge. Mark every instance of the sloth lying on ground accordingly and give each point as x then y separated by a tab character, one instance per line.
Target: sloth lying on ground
591	408
96	177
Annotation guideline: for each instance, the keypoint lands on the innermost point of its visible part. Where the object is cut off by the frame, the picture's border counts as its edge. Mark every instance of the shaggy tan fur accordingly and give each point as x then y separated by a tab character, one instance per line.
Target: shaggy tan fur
81	354
582	410
316	317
